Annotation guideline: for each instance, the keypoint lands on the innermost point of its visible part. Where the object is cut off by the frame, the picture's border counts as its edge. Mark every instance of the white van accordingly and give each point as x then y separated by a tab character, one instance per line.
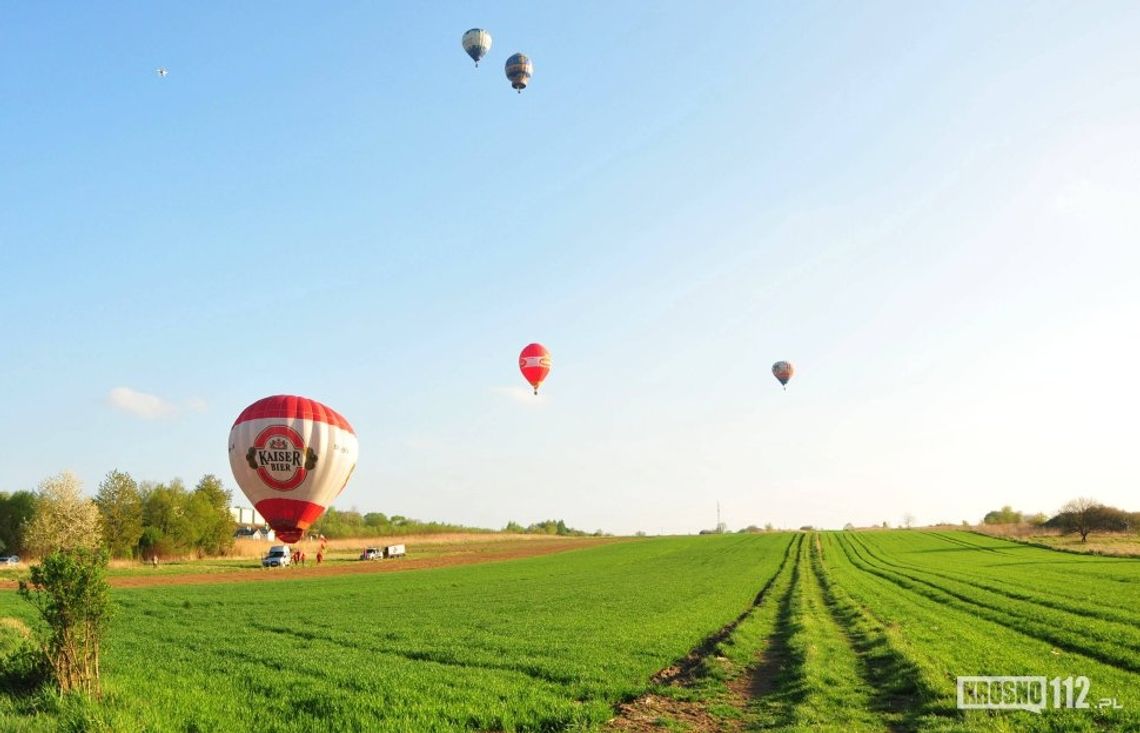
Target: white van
395	551
278	557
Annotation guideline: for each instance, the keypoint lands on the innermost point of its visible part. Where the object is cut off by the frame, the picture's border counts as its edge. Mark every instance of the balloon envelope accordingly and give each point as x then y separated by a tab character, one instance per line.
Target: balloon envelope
534	363
783	371
291	456
476	42
519	70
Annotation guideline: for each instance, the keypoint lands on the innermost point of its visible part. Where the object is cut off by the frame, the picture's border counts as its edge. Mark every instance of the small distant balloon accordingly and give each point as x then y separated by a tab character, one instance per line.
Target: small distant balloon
477	43
783	371
161	71
519	70
534	363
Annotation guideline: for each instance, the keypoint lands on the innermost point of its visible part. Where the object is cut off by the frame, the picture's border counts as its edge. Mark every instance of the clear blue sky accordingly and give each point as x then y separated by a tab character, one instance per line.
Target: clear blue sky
932	209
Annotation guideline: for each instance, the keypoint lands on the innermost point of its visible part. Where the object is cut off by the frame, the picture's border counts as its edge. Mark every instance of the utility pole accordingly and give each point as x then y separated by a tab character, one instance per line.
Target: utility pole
718	515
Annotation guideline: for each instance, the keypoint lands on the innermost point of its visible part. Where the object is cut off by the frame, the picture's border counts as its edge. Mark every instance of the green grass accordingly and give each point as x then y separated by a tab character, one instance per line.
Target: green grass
959	604
547	643
852	632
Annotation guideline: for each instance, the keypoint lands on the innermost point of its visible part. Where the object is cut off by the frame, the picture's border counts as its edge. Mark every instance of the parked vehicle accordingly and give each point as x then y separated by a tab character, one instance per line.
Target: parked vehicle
10	560
277	557
395	551
371	553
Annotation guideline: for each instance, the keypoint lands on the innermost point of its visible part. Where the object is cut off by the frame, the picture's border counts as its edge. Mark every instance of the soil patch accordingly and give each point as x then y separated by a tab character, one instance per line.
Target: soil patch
455	555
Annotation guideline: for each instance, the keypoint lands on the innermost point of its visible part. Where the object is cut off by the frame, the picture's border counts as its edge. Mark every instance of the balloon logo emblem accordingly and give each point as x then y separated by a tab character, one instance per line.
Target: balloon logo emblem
280	457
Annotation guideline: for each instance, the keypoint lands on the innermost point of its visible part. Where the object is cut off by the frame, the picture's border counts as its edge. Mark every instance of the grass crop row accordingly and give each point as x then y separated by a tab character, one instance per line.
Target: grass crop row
1113	642
946	640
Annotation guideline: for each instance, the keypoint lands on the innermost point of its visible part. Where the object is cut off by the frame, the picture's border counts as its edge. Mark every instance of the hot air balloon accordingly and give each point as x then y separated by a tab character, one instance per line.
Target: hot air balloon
519	71
291	456
476	42
534	363
783	371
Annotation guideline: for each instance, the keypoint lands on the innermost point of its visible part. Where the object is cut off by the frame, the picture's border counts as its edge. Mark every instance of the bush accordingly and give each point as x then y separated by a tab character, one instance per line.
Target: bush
70	591
23	668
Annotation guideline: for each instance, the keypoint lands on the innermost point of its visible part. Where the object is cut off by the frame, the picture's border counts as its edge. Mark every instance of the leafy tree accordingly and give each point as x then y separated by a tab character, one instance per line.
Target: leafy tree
16	510
120	505
164	508
1005	515
64	518
69	590
1084	516
153	543
208	513
554	527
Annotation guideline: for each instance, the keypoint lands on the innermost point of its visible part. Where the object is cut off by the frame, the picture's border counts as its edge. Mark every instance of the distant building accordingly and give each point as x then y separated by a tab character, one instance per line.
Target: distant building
245	515
250	525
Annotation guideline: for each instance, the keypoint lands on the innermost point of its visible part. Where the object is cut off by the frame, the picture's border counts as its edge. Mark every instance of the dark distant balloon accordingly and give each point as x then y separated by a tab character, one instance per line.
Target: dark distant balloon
476	42
519	71
783	371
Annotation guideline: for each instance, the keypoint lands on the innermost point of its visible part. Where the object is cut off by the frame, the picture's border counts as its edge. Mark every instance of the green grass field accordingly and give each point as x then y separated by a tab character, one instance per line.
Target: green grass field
853	632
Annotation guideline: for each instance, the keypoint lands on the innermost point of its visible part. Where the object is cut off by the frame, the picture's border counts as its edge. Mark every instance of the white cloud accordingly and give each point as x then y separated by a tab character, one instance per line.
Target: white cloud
140	404
196	404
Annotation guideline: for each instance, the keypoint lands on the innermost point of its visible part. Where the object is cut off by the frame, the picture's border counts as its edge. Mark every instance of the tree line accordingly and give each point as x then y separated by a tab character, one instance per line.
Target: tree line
1081	516
338	524
145	519
132	519
550	526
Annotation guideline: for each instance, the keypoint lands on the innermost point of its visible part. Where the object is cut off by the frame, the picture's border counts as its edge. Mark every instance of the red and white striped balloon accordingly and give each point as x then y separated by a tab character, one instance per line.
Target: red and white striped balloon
534	363
291	456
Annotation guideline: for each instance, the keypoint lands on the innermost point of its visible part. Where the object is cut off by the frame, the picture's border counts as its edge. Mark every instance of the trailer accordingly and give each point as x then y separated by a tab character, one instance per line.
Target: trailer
394	551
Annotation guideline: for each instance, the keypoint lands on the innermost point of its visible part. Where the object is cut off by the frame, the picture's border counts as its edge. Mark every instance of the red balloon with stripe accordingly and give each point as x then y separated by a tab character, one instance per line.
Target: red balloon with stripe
534	363
291	456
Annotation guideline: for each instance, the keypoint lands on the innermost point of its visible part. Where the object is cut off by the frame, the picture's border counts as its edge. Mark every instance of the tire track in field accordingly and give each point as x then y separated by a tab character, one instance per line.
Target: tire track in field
646	712
900	691
1108	634
1013	622
685	667
1100	613
442	658
969	545
823	682
761	675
